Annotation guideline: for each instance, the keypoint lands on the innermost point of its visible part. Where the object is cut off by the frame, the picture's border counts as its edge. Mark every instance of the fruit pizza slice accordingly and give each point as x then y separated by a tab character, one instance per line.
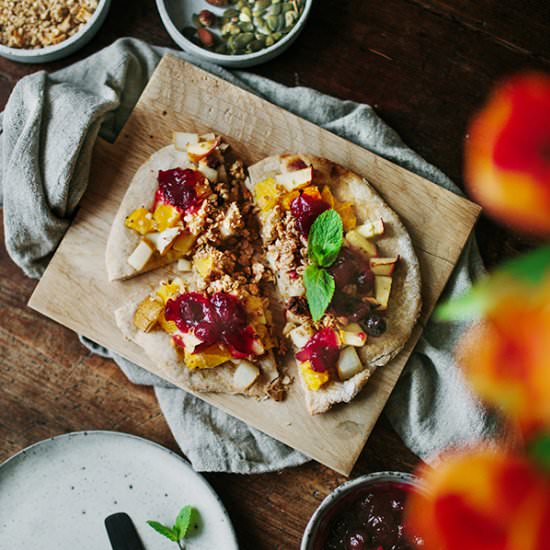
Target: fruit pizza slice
346	272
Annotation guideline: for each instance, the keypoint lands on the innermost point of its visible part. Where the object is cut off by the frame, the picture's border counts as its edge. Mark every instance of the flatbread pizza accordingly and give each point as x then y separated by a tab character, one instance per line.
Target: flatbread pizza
346	272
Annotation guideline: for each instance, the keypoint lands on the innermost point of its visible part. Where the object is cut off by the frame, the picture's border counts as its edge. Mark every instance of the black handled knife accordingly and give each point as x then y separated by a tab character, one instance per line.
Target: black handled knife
122	532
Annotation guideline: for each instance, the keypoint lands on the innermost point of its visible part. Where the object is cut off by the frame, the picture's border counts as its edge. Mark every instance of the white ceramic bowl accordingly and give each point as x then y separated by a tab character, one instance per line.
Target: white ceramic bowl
322	513
67	47
176	14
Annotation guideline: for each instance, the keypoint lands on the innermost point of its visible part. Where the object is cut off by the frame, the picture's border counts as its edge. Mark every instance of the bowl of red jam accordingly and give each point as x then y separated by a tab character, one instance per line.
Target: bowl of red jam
367	513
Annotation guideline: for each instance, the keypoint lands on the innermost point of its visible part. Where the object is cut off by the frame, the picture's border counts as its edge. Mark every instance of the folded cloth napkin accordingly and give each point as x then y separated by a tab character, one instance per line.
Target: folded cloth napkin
48	130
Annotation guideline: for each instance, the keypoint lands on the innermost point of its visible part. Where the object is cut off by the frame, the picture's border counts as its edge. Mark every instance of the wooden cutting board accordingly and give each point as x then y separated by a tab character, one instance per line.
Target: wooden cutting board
75	292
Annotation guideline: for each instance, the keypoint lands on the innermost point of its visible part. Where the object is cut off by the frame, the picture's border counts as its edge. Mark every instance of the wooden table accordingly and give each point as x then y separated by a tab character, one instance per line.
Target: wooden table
425	65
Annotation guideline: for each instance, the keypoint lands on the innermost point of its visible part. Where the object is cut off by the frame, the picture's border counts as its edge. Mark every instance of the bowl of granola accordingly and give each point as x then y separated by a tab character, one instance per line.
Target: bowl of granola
36	31
234	33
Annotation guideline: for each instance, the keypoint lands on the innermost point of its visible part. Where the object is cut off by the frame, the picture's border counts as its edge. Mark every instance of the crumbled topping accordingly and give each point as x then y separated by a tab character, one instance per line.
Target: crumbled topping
197	221
231	221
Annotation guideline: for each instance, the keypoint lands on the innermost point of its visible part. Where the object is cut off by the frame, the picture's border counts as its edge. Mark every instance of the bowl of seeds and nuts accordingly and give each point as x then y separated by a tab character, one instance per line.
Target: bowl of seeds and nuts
36	31
234	33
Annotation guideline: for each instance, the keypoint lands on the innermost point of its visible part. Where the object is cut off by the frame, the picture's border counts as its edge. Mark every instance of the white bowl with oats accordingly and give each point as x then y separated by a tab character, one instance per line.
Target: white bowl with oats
36	31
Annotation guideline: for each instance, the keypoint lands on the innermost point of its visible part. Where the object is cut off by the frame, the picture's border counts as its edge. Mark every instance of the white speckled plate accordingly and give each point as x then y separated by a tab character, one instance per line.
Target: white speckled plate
56	494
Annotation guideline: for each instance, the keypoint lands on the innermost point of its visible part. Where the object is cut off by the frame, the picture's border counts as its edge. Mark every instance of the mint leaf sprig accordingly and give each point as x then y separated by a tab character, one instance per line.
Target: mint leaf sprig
186	520
325	240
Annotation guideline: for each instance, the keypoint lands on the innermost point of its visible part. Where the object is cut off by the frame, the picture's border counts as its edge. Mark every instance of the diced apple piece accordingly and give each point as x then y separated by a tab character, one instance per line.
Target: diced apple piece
184	265
295	180
140	256
163	239
371	229
207	137
211	174
382	289
245	374
300	336
190	341
353	335
291	163
197	151
358	241
257	347
383	266
349	363
182	139
147	313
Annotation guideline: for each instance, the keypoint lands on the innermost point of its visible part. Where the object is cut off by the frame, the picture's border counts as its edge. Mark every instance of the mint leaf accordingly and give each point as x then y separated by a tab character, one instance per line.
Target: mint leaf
164	530
185	520
530	268
539	450
319	290
325	238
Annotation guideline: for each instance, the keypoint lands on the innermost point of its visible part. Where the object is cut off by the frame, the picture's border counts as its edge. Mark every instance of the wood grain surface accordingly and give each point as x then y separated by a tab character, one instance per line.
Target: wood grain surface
75	290
425	65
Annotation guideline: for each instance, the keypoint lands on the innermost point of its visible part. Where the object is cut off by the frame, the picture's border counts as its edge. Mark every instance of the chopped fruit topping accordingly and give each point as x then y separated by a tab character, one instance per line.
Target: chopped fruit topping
197	151
313	379
371	229
178	187
208	358
166	216
147	313
221	318
168	290
168	326
203	265
349	363
296	179
163	240
140	220
184	265
140	256
305	208
356	240
182	139
347	213
184	243
245	374
300	336
350	306
383	266
353	335
291	163
327	196
267	194
189	341
321	350
375	325
208	172
382	289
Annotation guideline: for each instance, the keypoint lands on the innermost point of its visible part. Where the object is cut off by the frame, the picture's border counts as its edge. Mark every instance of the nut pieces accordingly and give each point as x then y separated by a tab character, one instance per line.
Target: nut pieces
246	27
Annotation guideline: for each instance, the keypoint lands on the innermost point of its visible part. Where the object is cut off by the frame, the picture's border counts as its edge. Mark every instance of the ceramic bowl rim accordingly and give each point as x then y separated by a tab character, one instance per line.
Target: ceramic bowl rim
21	53
347	487
221	58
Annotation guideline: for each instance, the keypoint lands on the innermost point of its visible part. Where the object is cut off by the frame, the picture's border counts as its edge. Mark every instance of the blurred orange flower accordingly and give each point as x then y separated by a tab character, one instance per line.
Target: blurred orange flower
482	500
507	161
506	357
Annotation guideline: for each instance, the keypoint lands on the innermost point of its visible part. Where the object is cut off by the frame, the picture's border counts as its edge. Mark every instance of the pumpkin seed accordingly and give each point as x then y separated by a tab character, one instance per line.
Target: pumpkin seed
221	48
229	13
269	41
246	27
290	18
276	1
272	22
243	39
274	9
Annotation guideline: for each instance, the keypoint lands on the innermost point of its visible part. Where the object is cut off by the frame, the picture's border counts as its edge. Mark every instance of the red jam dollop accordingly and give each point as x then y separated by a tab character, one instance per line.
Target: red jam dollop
178	188
372	519
321	350
305	209
220	318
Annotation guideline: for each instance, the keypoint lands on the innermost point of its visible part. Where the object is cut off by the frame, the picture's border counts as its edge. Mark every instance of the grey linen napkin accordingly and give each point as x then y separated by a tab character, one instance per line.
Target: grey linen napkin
48	130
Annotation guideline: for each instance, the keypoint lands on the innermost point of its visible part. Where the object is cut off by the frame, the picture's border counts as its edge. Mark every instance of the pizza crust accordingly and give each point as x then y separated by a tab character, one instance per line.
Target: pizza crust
141	193
157	345
405	300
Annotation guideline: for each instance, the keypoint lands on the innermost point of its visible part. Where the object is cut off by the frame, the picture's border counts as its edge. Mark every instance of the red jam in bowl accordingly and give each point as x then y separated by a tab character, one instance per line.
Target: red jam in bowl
370	518
220	318
321	350
178	188
305	209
